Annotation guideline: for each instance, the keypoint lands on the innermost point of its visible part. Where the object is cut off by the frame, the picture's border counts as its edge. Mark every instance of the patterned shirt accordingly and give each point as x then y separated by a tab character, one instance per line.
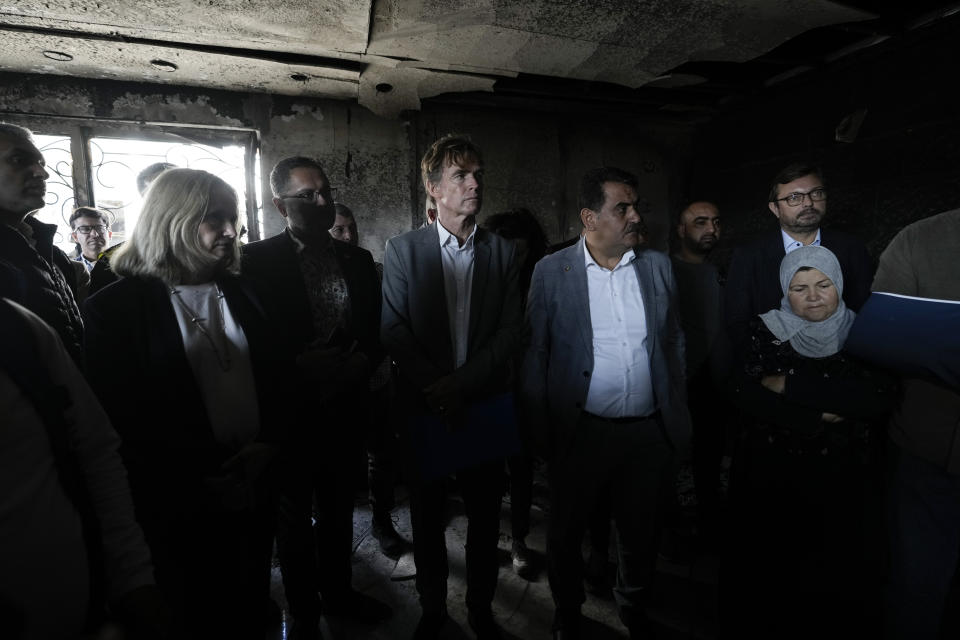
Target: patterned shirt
326	286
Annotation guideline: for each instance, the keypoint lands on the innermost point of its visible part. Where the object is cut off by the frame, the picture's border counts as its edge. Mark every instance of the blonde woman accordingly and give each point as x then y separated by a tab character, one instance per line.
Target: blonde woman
177	352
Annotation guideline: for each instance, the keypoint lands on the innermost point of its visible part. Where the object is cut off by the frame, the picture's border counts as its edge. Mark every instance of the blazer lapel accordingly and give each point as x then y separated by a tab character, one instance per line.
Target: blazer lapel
576	290
641	266
430	269
481	268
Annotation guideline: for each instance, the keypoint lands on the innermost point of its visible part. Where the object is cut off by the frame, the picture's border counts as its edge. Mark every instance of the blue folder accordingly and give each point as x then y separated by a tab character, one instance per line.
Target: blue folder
490	433
916	337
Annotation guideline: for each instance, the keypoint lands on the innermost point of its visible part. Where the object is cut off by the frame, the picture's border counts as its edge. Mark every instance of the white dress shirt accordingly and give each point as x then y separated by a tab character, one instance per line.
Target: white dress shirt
457	285
620	385
789	244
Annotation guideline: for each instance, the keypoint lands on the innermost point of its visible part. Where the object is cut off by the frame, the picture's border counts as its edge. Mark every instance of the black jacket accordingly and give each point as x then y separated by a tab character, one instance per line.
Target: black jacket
271	267
838	384
137	365
42	280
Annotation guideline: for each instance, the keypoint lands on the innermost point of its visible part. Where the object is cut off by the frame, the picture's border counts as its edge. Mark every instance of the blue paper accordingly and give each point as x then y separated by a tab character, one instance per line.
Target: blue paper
916	337
489	433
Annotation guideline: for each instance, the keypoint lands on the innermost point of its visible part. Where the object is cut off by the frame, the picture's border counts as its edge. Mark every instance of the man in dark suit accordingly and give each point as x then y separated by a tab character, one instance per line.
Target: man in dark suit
798	199
451	321
325	296
603	380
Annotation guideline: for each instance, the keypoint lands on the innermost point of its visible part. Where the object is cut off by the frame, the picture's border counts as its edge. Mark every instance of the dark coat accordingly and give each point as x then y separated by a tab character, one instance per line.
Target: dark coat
753	281
415	328
137	365
43	280
838	384
271	267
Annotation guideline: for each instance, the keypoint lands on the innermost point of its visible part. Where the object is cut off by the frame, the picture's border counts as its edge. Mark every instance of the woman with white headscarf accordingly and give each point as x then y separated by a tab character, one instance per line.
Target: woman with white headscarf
804	467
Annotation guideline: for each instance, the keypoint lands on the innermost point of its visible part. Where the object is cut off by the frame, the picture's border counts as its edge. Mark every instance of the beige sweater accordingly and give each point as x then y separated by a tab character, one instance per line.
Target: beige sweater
923	260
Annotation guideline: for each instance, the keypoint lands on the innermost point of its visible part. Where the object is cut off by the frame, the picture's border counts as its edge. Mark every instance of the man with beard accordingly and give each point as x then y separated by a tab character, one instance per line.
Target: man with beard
33	272
699	297
603	386
325	295
798	199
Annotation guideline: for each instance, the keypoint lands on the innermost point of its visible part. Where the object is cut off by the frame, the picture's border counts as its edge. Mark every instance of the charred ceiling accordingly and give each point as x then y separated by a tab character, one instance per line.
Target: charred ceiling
675	59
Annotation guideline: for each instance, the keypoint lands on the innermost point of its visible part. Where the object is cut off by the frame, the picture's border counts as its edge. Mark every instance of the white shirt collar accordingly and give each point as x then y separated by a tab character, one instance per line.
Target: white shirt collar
789	244
445	237
588	260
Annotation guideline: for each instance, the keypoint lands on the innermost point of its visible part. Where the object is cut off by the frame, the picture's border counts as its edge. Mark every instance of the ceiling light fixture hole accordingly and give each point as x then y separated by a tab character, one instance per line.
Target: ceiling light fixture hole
59	56
163	65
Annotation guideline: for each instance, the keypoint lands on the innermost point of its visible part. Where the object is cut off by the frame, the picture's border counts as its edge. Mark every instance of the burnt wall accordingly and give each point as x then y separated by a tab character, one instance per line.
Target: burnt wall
902	165
533	159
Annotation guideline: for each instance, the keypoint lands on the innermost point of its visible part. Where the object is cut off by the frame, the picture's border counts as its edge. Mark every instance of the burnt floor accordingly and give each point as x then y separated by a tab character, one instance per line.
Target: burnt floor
686	589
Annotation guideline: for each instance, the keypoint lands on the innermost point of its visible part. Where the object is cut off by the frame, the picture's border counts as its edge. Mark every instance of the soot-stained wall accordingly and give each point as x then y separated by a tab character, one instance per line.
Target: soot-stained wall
902	165
533	159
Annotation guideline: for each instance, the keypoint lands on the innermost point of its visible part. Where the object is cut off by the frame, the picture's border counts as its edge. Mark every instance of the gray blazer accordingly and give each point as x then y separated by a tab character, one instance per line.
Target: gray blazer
558	361
414	327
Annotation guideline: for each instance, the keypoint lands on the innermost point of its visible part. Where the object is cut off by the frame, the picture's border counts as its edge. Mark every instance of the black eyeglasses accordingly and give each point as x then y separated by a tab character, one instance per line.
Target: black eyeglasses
328	195
86	230
796	199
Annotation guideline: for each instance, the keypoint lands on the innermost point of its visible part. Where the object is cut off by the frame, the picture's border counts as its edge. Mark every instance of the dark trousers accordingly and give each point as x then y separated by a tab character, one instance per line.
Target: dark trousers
213	568
319	481
708	415
634	462
799	562
521	494
924	538
481	488
382	454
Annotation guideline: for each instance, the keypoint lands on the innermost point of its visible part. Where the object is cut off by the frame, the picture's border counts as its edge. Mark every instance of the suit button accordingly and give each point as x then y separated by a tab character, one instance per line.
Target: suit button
577	405
586	374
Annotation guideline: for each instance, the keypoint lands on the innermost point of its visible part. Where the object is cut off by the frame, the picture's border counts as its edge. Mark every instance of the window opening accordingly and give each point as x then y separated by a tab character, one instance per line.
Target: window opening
60	201
116	162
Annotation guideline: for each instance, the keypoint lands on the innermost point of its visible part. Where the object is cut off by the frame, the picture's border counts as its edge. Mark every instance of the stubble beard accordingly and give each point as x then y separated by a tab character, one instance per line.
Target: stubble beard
810	223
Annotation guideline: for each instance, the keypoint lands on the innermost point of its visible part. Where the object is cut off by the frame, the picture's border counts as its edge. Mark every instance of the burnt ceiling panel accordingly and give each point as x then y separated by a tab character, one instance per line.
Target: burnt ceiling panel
620	41
301	27
672	56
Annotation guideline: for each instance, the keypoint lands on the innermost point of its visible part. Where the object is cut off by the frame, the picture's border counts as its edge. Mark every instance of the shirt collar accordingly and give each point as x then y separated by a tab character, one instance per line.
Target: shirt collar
83	259
789	244
588	260
446	236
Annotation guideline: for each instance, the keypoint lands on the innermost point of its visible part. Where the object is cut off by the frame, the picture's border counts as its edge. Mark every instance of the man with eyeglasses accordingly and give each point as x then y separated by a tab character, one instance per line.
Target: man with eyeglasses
91	232
798	199
323	296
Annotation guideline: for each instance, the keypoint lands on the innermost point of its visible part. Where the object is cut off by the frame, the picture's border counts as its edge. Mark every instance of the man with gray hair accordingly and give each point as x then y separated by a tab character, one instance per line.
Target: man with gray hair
33	271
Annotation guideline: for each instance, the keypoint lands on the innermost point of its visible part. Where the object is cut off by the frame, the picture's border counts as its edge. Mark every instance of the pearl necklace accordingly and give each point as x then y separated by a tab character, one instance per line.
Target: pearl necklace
223	359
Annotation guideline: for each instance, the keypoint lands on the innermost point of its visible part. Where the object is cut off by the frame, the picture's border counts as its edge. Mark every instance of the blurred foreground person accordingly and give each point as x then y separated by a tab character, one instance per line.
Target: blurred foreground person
68	541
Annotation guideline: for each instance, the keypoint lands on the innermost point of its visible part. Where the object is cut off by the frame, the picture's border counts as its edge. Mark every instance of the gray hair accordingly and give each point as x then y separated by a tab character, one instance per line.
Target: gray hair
16	131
